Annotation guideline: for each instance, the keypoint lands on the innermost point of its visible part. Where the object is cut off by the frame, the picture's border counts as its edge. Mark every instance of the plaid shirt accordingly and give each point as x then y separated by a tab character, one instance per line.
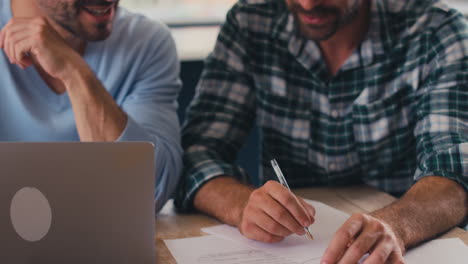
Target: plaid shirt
396	111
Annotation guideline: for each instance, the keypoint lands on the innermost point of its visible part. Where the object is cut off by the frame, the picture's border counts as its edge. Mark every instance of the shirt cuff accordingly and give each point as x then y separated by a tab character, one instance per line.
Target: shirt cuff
449	175
193	179
449	163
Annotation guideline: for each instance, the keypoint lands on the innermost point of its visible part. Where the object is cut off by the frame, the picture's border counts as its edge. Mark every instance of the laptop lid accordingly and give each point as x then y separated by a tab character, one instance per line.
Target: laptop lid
77	203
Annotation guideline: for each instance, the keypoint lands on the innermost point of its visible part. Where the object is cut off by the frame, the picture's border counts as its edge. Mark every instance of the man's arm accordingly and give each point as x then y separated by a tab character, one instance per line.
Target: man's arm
231	197
97	116
432	206
29	41
218	121
438	200
147	112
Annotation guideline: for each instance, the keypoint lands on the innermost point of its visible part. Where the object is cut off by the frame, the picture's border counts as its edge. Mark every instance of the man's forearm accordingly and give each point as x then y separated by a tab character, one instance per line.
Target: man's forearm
97	116
223	198
432	206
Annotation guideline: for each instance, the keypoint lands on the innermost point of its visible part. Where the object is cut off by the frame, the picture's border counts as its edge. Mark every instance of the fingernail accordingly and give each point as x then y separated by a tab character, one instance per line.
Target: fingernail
306	223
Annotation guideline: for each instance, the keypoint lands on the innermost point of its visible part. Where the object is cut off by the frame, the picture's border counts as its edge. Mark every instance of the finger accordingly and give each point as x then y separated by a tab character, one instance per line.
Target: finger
13	26
343	236
2	38
309	208
22	49
15	30
9	35
14	37
270	225
16	49
278	212
381	252
363	244
255	232
288	200
9	49
395	258
26	62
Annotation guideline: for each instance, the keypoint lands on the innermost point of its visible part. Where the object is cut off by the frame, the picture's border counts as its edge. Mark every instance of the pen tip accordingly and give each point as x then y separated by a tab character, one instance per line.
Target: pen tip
309	234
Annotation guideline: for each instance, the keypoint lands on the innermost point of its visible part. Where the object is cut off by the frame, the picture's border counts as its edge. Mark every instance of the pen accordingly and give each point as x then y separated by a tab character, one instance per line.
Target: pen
283	182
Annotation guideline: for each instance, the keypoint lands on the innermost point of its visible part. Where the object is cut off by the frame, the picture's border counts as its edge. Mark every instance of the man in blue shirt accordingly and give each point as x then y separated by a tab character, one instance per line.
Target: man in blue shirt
89	71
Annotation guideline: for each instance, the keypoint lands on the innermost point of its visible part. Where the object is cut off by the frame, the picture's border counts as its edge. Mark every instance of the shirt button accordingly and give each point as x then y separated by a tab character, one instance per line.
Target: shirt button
332	166
334	114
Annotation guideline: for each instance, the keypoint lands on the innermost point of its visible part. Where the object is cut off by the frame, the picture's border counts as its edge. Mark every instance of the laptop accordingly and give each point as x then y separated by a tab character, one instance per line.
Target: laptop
77	203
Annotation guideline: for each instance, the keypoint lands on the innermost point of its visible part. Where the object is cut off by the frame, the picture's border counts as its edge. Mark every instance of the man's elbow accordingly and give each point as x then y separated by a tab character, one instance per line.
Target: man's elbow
168	170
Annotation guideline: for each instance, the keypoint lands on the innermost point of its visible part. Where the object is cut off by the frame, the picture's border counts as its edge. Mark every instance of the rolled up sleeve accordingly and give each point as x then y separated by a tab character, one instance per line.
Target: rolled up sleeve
220	117
442	108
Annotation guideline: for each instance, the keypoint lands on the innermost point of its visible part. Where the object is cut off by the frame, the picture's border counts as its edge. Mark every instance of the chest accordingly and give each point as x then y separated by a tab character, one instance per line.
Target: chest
364	111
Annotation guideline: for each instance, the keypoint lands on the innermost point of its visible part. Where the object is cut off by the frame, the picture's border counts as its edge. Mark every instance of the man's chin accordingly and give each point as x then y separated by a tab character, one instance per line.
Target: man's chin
98	35
317	33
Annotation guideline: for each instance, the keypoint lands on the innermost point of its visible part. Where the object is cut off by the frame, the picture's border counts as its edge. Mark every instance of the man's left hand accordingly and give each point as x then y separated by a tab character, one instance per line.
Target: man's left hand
364	234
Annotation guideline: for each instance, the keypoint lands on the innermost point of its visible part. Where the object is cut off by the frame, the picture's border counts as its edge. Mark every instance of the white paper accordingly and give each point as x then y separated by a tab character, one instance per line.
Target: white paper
452	251
294	247
214	250
230	247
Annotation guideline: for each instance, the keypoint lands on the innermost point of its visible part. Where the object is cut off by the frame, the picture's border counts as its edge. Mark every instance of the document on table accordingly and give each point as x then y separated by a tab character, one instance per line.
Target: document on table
214	250
227	246
452	251
294	247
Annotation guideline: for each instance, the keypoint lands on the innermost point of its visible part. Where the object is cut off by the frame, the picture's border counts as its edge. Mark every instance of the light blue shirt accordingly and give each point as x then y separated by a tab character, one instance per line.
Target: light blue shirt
139	67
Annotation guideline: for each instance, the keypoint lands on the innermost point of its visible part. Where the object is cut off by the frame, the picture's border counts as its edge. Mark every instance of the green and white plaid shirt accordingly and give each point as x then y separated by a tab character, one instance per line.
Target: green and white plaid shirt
396	111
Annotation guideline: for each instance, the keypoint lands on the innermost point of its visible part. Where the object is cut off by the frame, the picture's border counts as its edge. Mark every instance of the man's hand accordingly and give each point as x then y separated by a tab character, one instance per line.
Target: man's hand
28	41
362	234
33	40
273	212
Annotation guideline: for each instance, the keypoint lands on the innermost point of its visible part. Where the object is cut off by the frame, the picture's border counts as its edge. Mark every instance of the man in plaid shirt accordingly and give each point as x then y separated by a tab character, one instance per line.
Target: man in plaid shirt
344	92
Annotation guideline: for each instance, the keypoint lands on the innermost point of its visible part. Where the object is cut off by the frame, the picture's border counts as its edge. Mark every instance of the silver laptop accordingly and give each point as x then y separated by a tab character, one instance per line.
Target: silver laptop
77	203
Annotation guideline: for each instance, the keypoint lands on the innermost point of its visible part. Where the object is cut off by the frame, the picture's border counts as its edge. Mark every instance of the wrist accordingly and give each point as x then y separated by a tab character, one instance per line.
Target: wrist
238	209
74	71
230	195
389	218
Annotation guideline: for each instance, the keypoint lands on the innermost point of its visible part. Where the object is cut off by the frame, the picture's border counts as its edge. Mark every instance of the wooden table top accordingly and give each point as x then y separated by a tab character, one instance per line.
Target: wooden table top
356	199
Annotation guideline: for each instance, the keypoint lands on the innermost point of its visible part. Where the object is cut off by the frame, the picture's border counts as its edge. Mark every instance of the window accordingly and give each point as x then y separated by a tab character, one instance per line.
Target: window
182	12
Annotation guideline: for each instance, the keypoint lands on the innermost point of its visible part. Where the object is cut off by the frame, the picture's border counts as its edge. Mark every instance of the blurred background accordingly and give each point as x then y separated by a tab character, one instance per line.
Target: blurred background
182	12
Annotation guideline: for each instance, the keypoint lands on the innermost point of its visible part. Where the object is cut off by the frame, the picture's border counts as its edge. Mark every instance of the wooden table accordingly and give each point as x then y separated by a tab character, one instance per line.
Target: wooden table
170	225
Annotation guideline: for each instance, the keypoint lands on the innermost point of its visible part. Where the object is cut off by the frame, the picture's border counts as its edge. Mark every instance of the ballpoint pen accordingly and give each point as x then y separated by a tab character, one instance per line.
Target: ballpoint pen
283	182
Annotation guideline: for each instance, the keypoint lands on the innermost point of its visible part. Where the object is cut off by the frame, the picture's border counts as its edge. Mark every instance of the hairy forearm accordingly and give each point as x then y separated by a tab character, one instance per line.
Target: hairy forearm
223	198
432	206
97	116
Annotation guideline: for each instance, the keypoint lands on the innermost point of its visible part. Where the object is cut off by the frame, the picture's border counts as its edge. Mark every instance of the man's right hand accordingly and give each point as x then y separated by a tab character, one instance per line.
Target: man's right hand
34	40
272	212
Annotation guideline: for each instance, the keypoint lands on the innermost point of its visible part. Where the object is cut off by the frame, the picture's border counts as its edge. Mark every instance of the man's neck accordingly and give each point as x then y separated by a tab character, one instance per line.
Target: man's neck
337	49
28	8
